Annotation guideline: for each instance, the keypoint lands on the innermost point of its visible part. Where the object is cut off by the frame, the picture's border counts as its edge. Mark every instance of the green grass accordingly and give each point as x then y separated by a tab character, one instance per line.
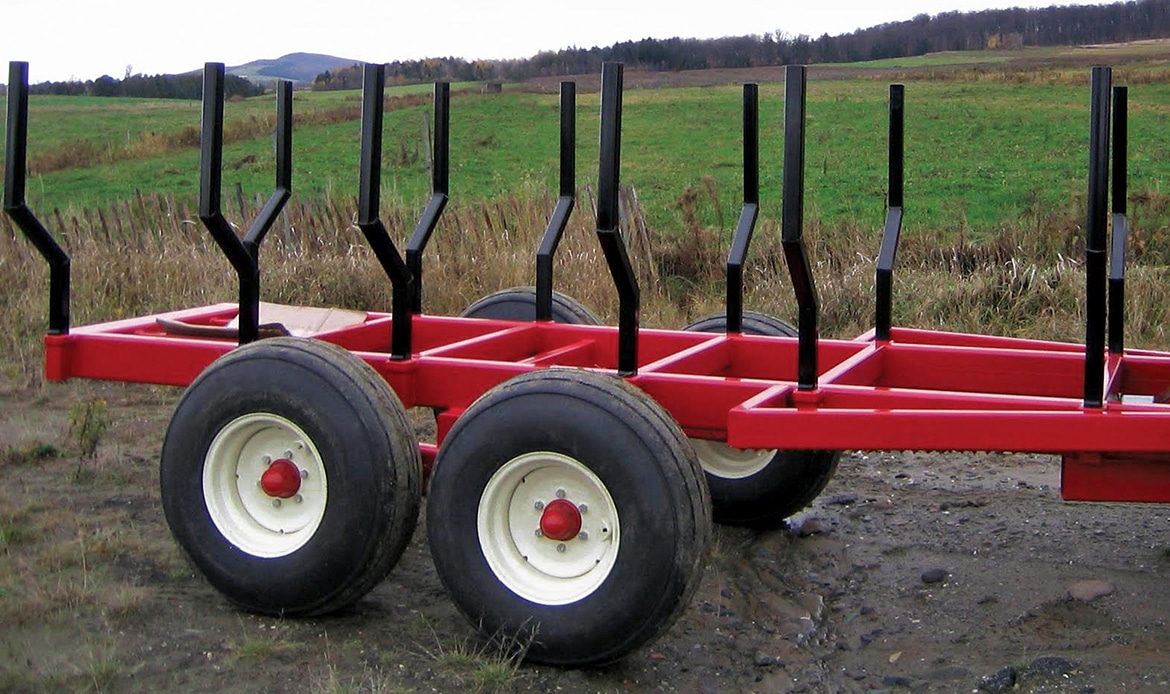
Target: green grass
980	155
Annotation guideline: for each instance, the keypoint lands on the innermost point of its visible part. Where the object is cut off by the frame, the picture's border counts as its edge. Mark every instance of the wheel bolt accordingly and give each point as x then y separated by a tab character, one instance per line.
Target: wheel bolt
276	503
583	508
539	506
304	474
582	535
265	460
288	454
561	547
538	533
298	498
560	493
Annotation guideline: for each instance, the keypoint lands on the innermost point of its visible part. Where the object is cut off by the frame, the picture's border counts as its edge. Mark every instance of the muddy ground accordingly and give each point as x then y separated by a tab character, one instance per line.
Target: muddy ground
913	572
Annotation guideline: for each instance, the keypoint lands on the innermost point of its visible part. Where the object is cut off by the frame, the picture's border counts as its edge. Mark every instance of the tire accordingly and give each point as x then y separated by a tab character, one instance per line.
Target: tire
760	488
519	303
338	478
574	447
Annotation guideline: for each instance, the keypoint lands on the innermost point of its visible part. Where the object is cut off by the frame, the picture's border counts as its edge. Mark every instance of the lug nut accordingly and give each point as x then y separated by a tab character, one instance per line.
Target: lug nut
560	493
539	506
561	547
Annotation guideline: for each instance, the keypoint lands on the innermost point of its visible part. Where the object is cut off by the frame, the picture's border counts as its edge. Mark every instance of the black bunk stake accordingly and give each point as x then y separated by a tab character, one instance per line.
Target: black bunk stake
1120	225
893	228
15	178
369	201
243	254
1095	252
565	203
440	167
793	222
742	239
608	234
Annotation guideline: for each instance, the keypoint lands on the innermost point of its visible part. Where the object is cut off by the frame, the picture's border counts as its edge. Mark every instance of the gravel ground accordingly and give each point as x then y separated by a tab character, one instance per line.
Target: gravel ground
912	572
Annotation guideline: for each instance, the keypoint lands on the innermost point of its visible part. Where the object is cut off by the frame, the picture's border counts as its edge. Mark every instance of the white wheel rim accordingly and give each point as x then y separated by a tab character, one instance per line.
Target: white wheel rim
250	518
540	569
720	460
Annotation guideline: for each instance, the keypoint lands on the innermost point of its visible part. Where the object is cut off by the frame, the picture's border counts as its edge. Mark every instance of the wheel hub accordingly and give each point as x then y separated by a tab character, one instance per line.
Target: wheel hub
282	479
561	521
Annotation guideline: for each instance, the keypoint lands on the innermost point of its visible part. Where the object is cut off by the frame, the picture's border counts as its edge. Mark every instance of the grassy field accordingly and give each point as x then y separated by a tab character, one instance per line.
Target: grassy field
995	159
982	154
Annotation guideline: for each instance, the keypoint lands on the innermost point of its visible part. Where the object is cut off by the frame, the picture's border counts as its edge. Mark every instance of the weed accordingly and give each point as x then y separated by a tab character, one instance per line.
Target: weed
261	647
15	530
28	453
486	665
88	421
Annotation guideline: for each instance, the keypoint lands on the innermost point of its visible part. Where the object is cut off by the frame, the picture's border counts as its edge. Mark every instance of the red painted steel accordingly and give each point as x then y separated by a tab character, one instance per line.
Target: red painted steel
920	390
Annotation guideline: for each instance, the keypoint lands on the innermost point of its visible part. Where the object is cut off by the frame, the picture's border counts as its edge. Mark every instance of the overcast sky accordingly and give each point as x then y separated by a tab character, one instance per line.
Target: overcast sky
85	39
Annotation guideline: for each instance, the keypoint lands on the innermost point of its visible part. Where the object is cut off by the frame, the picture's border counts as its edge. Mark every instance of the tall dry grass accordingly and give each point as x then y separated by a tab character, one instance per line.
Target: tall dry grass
152	255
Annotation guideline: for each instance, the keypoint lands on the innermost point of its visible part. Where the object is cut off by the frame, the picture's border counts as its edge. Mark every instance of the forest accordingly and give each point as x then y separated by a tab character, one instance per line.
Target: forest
949	31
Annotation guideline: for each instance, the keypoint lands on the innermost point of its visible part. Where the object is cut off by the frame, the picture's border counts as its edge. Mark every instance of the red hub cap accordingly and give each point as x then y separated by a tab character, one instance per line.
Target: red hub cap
282	480
561	521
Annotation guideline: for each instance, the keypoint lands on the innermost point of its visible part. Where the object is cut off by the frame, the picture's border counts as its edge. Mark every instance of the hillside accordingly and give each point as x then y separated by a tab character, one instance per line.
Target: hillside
301	68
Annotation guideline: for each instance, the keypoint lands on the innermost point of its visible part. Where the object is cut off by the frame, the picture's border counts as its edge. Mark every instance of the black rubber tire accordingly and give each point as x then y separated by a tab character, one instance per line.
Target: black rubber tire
753	324
367	450
646	464
791	480
519	303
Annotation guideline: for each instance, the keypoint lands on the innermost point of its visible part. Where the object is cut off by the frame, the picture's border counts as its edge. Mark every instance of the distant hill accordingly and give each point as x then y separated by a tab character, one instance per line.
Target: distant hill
301	68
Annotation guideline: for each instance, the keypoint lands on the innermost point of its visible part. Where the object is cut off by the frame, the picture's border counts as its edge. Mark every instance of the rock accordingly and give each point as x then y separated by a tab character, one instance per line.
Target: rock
1090	590
842	499
813	526
897	681
1050	666
931	576
762	659
949	673
1000	682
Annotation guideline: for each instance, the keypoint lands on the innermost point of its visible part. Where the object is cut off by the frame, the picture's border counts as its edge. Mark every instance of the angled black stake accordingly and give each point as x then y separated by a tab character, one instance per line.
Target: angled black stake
565	203
750	212
1120	223
793	224
883	281
440	168
242	253
1095	242
15	179
608	232
369	201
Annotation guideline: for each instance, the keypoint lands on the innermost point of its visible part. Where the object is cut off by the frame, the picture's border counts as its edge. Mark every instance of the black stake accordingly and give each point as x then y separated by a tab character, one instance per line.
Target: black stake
15	178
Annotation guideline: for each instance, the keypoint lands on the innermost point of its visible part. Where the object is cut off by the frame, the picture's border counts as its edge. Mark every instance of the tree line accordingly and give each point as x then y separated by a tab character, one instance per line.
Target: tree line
948	31
188	86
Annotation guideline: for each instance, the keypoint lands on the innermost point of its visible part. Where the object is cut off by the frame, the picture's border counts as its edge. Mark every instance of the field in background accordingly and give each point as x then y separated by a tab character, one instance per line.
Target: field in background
995	180
991	137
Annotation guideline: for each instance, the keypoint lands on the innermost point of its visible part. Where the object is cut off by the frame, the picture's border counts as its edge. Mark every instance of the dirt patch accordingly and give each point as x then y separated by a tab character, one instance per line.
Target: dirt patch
913	572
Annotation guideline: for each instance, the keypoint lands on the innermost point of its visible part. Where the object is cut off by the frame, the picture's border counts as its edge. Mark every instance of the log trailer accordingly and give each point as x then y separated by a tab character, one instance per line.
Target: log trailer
578	467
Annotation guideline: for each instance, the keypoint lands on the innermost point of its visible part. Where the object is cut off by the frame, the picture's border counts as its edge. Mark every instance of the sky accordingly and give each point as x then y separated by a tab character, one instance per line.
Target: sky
85	39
